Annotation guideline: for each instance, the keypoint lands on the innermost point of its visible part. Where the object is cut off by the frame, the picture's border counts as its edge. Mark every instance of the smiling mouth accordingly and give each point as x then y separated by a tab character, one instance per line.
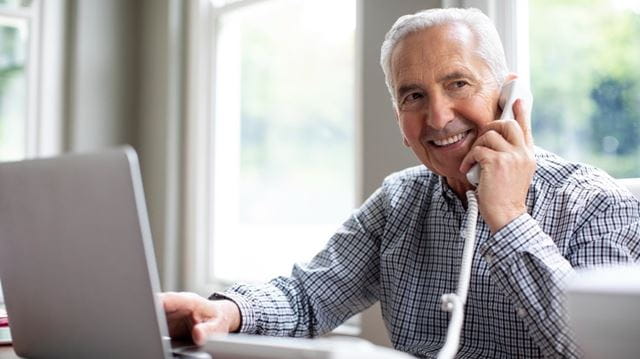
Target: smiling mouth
450	140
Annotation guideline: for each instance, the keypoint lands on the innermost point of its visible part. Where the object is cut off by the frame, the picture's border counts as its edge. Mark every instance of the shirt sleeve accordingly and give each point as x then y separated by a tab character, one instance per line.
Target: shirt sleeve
340	281
531	269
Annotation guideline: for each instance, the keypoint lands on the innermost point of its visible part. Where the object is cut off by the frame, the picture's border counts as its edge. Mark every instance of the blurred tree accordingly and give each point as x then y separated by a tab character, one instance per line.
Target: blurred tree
614	123
585	76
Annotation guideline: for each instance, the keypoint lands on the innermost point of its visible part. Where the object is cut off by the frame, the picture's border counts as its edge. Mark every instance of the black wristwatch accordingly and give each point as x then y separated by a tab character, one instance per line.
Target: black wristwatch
218	296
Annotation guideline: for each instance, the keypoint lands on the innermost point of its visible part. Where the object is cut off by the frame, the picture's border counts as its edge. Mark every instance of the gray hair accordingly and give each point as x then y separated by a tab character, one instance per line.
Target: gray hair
489	46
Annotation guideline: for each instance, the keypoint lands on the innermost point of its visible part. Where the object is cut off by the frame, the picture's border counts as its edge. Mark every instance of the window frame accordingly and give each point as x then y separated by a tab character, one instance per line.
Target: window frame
199	105
52	94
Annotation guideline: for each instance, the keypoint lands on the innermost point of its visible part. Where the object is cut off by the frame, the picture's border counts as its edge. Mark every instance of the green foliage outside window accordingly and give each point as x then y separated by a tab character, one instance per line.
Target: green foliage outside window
585	77
11	74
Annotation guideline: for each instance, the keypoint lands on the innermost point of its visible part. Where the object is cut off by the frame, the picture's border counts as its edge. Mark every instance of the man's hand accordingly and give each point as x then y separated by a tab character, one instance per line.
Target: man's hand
192	316
504	151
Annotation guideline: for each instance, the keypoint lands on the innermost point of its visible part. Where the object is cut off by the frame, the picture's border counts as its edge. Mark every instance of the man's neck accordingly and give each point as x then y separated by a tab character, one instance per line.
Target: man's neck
460	188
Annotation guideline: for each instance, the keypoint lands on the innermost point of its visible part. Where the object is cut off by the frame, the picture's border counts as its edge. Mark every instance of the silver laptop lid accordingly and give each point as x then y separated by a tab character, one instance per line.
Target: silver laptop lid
76	258
603	308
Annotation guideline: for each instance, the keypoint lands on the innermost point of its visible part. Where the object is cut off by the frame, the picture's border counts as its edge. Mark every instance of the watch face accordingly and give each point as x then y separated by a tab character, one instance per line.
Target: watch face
217	296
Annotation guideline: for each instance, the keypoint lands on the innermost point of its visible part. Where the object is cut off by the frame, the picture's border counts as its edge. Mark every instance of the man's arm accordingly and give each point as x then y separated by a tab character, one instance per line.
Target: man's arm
529	267
340	281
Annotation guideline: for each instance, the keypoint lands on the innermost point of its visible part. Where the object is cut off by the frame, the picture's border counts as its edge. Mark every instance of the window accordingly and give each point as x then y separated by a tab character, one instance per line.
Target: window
18	19
283	148
15	38
585	78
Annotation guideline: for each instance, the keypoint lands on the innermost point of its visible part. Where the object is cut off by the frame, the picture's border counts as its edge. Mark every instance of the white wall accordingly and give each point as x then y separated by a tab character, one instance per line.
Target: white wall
102	68
159	129
382	151
122	86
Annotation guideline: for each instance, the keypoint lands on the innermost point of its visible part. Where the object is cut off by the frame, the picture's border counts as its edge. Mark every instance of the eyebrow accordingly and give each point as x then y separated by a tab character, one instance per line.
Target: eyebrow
455	75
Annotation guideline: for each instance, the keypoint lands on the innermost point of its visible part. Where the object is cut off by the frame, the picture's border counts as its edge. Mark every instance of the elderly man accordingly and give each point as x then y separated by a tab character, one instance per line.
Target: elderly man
540	217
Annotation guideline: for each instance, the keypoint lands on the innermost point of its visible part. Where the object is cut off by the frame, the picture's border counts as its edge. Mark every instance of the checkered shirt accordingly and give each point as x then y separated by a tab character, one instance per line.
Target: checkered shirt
403	247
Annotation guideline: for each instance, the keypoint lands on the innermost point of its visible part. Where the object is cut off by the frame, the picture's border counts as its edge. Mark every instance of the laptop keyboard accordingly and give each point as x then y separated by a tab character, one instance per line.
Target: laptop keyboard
186	349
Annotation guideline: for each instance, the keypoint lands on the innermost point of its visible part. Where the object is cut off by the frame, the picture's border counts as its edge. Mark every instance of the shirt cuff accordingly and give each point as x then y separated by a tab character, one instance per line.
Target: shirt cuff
521	234
247	314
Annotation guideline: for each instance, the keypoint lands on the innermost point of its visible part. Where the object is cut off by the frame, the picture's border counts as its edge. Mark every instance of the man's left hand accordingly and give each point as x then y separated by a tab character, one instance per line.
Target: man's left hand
504	151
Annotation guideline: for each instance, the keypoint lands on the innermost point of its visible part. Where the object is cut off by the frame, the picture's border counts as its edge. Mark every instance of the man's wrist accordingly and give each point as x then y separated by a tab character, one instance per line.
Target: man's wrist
231	311
500	249
499	220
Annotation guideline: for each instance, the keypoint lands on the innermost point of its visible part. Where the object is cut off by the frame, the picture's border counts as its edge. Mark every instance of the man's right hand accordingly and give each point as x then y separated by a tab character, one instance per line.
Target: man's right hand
192	316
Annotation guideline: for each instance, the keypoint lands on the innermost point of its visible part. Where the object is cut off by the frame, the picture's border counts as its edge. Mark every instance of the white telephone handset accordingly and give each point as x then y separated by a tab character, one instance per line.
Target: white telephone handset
511	91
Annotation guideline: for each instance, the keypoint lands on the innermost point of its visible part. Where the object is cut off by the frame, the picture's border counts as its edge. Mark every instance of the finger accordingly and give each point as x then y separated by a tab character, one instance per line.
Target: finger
478	154
509	129
201	331
523	118
494	140
170	301
203	310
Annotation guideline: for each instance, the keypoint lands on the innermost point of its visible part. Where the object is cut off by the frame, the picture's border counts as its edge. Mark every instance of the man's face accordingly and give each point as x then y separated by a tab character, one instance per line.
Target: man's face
445	95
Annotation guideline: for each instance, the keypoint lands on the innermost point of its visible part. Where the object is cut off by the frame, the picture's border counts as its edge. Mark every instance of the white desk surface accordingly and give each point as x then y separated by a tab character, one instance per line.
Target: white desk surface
6	352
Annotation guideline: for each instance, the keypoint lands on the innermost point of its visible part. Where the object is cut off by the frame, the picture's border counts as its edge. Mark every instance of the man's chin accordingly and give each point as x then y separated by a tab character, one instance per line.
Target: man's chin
449	172
452	175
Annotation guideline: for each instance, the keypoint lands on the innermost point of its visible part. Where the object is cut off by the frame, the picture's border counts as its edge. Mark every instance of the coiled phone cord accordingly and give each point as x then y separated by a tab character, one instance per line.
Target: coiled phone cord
454	302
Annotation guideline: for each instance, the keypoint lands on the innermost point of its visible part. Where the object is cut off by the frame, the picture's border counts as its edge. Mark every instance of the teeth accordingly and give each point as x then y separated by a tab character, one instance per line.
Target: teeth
450	140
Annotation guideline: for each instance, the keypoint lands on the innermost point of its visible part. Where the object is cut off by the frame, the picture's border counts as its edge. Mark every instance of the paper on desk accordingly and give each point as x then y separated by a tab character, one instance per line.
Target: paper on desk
4	320
5	333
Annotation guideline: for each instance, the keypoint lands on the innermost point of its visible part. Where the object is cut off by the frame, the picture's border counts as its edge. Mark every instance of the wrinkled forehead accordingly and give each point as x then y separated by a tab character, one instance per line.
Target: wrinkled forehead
436	47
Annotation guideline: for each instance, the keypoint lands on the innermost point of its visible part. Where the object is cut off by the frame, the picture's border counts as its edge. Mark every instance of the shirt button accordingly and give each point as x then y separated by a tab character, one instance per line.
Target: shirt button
489	258
521	312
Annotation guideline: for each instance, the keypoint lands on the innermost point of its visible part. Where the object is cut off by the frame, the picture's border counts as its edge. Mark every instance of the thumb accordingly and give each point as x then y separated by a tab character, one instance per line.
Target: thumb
201	331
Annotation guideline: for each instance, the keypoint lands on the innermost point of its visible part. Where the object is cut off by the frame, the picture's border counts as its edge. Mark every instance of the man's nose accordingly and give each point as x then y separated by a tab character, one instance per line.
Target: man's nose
440	112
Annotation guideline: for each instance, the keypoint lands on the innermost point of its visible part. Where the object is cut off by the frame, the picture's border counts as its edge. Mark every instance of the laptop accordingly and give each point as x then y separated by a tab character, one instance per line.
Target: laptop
76	259
603	310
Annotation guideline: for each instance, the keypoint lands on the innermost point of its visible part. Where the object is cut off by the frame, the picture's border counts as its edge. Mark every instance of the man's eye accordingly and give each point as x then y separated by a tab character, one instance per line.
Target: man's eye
413	96
460	84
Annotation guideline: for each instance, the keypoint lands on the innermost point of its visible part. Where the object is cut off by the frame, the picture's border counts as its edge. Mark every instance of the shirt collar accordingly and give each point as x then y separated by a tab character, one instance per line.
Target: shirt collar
450	198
